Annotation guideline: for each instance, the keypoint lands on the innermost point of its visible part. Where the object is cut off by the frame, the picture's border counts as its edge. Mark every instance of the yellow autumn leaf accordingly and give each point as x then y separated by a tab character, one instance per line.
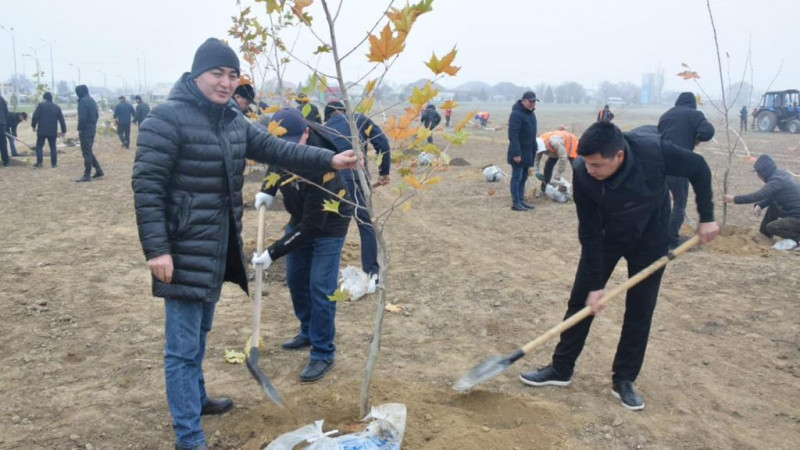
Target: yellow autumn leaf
467	119
271	110
366	105
272	179
368	131
422	96
299	6
234	357
276	129
433	180
290	180
328	177
331	206
385	45
341	193
370	87
689	75
394	308
449	104
379	159
403	19
339	295
413	181
406	206
444	65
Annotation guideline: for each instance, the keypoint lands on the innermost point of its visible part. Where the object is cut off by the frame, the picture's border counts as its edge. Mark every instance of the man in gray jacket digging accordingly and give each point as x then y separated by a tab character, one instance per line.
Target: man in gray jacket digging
187	185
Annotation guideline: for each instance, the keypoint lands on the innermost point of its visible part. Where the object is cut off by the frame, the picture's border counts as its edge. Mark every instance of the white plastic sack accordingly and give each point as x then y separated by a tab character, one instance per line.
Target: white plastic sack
384	432
425	158
785	244
356	282
493	174
555	194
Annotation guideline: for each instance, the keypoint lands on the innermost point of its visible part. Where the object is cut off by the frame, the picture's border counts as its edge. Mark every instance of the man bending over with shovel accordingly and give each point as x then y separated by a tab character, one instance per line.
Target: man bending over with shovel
622	201
187	185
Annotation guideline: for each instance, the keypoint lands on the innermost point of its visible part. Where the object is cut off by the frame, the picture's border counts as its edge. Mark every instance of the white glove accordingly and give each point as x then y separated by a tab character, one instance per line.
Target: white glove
264	260
262	198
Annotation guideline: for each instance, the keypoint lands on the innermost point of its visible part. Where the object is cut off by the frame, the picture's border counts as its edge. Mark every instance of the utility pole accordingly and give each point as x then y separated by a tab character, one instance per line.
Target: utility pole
104	82
138	77
144	67
38	74
14	50
79	71
52	72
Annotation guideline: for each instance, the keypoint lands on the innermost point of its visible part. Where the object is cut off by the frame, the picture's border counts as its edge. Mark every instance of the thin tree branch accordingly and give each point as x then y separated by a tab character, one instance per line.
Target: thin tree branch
380	19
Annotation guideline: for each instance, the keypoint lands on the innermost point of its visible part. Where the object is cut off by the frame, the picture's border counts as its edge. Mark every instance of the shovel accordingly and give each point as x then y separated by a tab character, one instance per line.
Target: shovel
252	357
495	365
19	140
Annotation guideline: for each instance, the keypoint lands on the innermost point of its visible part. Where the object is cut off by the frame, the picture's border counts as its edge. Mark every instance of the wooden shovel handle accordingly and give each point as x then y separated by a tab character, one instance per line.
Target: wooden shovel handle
622	288
254	339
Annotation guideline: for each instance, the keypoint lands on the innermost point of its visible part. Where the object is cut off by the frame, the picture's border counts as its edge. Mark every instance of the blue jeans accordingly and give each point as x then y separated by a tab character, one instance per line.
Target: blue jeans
679	187
519	176
187	324
312	271
369	242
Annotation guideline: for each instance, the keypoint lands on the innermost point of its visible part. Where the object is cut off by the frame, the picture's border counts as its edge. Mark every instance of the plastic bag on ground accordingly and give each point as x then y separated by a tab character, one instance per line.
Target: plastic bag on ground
559	194
357	283
785	244
493	174
384	432
426	159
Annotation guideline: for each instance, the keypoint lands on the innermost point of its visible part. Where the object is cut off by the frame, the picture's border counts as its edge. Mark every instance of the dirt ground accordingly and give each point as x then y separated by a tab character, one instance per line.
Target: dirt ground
82	346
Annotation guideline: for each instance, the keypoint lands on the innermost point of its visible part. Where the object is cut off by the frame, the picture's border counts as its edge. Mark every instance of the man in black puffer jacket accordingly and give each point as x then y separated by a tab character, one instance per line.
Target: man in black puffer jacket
684	126
780	195
187	185
521	147
87	129
621	198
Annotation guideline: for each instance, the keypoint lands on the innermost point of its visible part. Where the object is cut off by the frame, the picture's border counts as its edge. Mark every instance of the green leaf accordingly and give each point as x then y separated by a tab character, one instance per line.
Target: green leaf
322	49
457	139
331	206
290	180
272	179
379	159
339	295
446	158
306	110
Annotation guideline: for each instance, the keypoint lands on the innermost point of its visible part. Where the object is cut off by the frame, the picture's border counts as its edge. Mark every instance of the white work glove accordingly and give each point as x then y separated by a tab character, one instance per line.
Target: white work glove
264	260
262	198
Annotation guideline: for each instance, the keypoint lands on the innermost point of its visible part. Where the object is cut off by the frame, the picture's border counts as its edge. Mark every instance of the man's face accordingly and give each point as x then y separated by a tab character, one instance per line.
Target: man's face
530	105
218	84
244	105
601	168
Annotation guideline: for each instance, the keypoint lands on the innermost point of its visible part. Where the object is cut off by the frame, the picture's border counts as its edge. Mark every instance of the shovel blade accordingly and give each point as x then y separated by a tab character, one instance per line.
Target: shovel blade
488	369
263	380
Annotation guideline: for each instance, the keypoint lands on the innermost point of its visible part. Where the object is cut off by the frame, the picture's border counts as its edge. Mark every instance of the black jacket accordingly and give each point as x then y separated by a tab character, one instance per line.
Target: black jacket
430	118
684	124
304	202
3	112
14	120
369	132
187	186
142	110
124	112
632	207
46	119
780	189
521	135
87	110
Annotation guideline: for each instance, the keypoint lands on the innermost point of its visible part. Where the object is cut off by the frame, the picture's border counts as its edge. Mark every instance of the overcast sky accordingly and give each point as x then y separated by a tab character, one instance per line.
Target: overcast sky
523	41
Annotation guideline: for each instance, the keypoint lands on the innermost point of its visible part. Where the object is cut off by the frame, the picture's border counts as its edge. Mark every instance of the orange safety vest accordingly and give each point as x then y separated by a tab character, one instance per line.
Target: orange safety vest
570	142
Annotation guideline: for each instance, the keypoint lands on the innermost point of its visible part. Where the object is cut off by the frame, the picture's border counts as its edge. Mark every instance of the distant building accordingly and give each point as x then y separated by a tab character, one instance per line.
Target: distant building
6	90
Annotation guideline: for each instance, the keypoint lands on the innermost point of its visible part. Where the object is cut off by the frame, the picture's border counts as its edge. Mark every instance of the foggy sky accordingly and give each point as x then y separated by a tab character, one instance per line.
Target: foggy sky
527	42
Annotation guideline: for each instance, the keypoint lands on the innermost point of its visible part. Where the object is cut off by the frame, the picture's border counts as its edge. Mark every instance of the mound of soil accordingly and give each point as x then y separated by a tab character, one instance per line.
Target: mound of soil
459	162
736	240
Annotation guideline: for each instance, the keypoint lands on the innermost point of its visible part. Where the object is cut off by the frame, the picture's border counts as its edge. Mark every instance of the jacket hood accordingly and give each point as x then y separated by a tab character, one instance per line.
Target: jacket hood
686	99
765	166
519	107
81	90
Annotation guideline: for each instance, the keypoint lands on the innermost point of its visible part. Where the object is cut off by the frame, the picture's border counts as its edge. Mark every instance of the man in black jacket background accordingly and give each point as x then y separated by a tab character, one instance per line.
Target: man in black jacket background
620	194
142	110
45	121
684	126
14	119
521	147
780	196
430	119
123	115
187	185
3	120
87	129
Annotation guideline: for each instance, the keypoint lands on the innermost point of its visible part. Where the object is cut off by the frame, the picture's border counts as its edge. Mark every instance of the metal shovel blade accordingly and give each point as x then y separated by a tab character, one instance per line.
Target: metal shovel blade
490	368
263	380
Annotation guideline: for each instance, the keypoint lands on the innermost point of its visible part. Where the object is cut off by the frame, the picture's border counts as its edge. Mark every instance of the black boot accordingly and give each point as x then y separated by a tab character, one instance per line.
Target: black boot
315	370
84	179
216	406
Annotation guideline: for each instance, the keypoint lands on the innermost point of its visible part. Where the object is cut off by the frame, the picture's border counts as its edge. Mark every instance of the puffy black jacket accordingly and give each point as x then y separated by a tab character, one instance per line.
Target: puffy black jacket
632	206
187	185
87	110
780	188
142	110
430	118
124	112
684	124
369	132
46	119
521	135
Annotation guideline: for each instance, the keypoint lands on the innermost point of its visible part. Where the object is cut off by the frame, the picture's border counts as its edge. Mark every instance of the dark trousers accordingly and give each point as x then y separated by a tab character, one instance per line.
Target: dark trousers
679	187
124	132
87	141
784	227
369	241
743	124
3	148
12	145
51	141
519	176
446	121
640	302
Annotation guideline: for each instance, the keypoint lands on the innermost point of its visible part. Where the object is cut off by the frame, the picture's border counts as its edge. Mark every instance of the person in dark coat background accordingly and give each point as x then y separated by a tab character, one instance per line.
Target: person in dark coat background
187	186
369	133
780	195
3	121
313	112
45	121
685	127
245	96
87	129
605	114
521	147
14	119
621	198
430	119
743	119
123	115
142	110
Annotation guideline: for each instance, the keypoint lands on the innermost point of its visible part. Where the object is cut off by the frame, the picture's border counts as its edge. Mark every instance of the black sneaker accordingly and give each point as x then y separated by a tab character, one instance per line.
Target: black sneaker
296	343
99	174
624	391
546	376
518	208
527	205
315	370
216	406
83	179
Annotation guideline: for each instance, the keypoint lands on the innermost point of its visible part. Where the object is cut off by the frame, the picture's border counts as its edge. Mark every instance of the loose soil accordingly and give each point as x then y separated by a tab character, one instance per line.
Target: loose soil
82	346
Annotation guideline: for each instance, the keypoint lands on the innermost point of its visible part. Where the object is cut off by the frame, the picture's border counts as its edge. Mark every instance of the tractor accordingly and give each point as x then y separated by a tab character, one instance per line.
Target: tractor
779	109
